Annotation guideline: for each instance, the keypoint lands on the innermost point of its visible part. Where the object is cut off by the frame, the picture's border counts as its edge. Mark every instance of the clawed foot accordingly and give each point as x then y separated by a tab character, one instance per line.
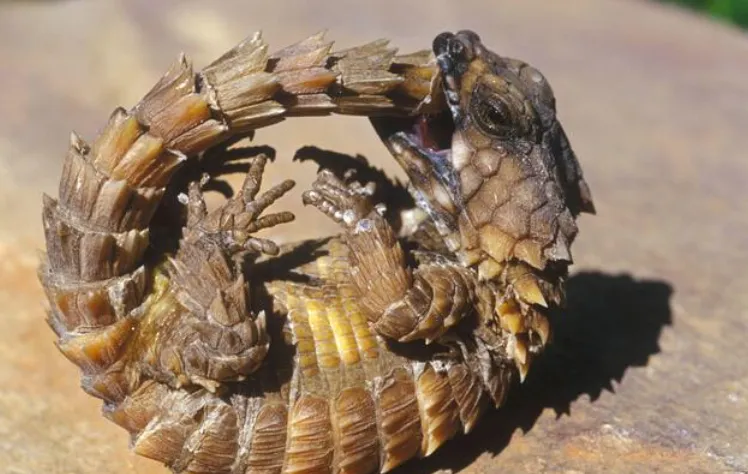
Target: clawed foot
347	202
241	216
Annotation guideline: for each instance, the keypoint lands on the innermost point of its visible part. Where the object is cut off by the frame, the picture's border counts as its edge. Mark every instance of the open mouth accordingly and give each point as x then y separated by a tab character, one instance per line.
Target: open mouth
422	143
432	134
418	143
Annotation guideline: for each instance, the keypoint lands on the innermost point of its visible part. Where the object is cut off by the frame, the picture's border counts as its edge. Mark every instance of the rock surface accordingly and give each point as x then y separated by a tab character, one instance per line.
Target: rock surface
649	368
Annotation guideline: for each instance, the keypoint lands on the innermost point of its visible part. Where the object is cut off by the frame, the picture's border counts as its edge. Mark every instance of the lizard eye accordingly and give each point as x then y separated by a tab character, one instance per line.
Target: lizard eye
494	116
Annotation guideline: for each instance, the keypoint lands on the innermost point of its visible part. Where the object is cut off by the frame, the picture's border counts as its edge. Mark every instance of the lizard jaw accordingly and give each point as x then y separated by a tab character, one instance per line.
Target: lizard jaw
422	146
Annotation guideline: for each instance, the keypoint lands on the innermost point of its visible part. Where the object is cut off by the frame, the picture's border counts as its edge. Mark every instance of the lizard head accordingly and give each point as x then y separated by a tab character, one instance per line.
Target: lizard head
494	169
495	173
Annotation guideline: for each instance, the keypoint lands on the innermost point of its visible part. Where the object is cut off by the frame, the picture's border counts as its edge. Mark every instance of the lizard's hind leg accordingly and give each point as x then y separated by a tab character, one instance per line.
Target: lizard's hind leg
218	337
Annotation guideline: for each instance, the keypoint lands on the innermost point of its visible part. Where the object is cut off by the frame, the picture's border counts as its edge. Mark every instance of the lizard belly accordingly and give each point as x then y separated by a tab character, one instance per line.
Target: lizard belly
355	403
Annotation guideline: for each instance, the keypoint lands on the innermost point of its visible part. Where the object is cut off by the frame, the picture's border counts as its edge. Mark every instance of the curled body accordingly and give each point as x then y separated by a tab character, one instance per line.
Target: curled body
371	348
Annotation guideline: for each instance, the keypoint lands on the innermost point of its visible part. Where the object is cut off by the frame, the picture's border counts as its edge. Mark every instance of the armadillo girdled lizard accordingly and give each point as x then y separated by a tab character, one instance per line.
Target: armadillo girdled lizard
222	353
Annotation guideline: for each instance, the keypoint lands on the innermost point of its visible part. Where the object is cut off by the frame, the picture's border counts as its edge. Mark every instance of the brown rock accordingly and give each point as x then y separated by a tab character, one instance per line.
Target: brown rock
653	100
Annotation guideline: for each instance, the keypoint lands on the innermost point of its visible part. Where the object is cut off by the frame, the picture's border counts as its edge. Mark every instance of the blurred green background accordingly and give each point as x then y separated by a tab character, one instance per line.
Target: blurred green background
733	11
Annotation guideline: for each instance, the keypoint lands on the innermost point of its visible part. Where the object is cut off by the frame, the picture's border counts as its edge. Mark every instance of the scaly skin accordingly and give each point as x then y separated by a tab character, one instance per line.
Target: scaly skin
220	352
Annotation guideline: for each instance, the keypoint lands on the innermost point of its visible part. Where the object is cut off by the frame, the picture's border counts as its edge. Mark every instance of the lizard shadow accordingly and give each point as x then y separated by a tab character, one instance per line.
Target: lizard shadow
611	323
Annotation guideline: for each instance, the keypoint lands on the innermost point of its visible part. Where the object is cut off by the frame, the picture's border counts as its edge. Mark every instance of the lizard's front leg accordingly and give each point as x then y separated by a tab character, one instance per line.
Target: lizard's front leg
404	304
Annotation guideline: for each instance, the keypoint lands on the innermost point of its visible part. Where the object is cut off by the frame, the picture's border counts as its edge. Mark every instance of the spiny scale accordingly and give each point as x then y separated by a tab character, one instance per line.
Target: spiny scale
187	355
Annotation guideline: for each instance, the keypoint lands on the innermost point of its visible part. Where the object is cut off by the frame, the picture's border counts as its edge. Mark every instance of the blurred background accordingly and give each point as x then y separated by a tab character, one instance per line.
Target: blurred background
732	11
648	368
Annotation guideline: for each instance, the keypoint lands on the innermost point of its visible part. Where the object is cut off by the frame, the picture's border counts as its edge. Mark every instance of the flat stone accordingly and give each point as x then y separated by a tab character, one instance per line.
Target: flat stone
648	370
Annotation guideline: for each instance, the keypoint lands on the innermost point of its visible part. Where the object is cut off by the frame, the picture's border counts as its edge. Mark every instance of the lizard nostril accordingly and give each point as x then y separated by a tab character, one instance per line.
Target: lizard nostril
456	48
441	43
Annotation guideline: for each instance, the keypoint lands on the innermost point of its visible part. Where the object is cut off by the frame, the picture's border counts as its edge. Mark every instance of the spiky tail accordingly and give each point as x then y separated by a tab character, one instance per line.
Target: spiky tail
108	305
